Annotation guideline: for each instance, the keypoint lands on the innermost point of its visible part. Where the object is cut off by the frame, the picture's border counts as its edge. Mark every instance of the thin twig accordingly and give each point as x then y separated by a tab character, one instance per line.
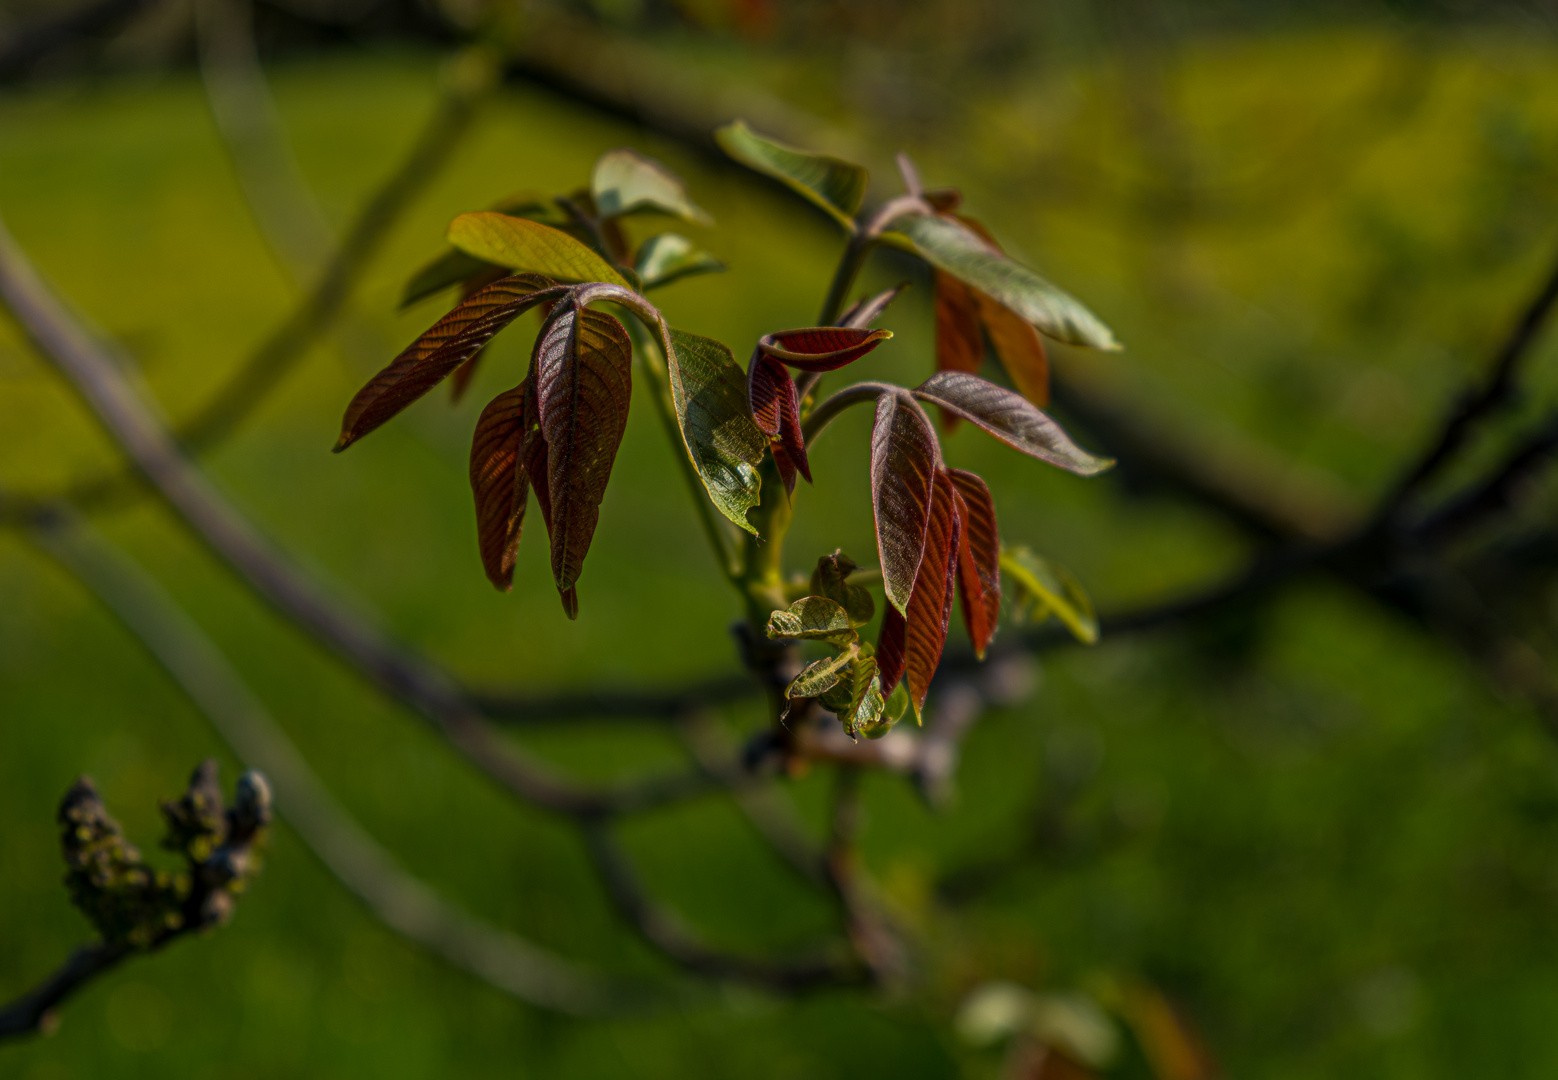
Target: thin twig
34	1012
219	692
279	353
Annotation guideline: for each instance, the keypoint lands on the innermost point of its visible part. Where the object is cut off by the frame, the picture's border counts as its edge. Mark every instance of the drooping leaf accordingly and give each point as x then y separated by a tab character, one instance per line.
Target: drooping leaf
867	311
776	411
930	606
830	579
821	348
959	344
979	559
1019	347
583	379
949	245
533	455
499	483
1044	589
709	394
450	342
1010	417
904	460
461	379
836	186
813	618
529	245
819	677
856	698
625	181
669	257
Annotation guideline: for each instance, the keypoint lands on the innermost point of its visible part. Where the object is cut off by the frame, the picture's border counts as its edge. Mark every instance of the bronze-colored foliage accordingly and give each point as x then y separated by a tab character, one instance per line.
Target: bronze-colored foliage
478	281
917	644
583	378
500	483
1019	346
821	348
1010	417
452	341
959	344
904	460
979	558
776	411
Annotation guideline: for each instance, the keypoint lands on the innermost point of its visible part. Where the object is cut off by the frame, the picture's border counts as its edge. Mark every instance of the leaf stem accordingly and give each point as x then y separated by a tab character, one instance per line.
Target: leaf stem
660	396
830	407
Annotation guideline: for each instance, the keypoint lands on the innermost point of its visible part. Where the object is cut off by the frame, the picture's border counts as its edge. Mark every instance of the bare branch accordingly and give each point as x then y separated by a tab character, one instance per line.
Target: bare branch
280	352
220	693
34	1012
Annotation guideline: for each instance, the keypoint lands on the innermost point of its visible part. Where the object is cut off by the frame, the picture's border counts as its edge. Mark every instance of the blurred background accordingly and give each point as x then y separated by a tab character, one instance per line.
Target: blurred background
1313	833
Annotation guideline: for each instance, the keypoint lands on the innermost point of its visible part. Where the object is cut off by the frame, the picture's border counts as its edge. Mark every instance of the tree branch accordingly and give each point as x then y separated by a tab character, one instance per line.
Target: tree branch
219	692
34	1012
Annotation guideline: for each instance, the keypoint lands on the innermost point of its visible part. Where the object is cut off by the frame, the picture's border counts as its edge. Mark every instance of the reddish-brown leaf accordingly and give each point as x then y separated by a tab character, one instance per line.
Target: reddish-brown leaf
499	483
904	459
890	655
450	342
924	626
1020	348
533	456
821	348
776	407
582	364
1010	417
469	288
959	346
979	558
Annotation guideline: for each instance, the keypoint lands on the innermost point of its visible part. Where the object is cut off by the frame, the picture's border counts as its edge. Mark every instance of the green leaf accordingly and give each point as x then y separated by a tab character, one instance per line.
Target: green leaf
1044	589
836	186
625	181
949	245
709	394
669	257
829	579
820	676
529	245
873	725
813	618
857	697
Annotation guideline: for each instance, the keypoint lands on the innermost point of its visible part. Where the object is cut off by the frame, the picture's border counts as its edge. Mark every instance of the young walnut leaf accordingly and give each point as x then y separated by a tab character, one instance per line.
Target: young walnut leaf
450	342
487	275
529	245
625	181
856	699
979	558
669	257
904	460
819	677
821	348
1010	417
813	618
959	344
776	410
1019	347
583	365
836	186
499	482
830	579
910	647
950	245
454	266
709	395
1044	589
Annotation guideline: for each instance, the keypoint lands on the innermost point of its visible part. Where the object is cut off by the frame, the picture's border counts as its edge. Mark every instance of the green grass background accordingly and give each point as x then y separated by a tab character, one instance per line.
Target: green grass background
1319	831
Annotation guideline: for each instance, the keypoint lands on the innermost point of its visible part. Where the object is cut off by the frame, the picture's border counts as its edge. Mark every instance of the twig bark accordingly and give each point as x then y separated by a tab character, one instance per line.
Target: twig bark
34	1012
219	692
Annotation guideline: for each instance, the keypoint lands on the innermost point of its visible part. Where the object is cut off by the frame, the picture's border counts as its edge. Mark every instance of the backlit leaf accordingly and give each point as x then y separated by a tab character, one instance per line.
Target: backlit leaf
913	648
836	186
821	348
625	181
949	245
709	394
813	618
830	579
499	483
959	344
529	245
904	460
856	699
450	342
1019	347
668	257
979	558
821	676
583	380
1010	417
487	275
1043	589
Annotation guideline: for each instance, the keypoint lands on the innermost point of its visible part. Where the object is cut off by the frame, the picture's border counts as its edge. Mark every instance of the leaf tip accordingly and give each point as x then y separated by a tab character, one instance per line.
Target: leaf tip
570	598
342	442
